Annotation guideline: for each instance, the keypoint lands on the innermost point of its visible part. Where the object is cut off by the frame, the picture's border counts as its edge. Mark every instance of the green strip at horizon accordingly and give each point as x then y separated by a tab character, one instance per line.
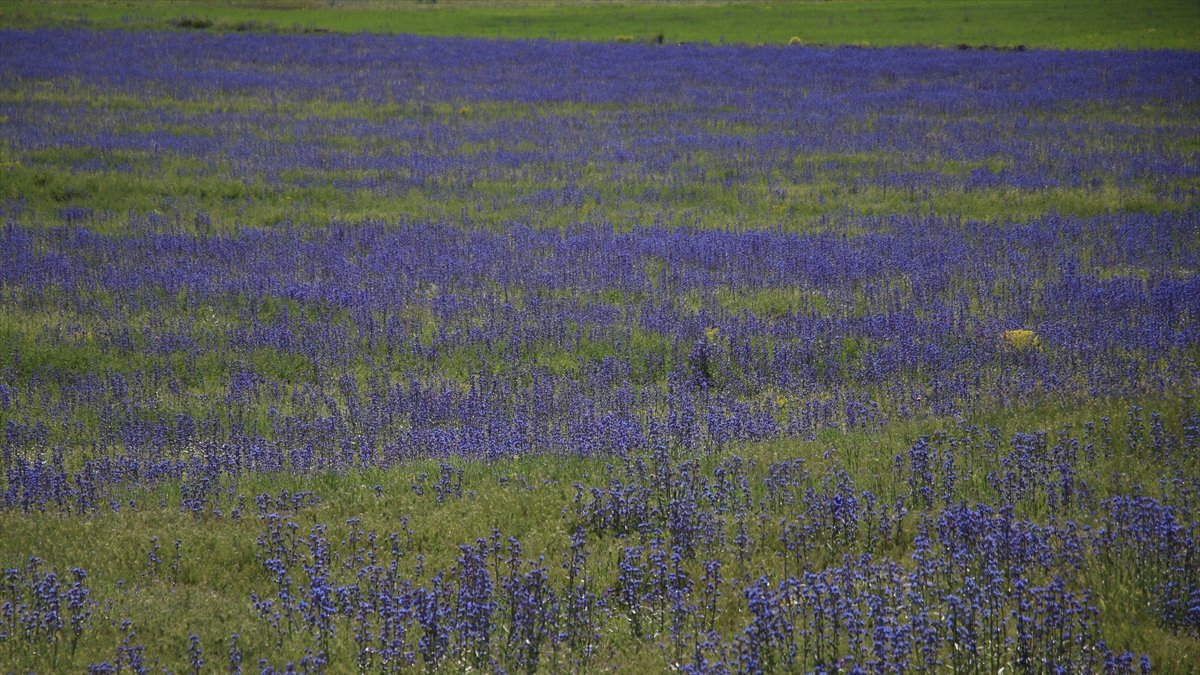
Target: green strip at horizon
1053	24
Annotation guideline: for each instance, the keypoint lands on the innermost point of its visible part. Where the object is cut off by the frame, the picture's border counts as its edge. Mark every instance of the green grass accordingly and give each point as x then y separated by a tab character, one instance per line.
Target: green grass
1058	24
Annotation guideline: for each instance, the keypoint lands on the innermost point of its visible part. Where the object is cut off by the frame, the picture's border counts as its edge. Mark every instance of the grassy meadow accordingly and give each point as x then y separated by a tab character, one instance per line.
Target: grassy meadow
329	351
1055	24
154	561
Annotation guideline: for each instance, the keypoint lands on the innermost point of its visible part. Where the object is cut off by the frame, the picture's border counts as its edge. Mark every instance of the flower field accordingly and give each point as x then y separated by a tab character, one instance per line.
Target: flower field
337	353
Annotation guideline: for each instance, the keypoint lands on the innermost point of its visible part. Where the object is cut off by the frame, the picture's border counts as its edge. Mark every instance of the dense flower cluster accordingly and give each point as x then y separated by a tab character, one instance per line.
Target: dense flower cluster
43	610
550	132
181	357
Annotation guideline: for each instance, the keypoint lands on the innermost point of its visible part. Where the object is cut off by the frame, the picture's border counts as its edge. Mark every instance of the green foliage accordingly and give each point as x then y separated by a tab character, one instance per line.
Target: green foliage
1092	24
1081	24
775	303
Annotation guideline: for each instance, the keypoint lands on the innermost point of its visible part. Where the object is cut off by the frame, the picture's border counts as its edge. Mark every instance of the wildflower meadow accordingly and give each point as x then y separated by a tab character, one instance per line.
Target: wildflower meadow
327	352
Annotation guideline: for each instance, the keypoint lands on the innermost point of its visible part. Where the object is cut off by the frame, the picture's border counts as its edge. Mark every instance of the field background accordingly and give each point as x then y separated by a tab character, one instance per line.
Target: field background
198	177
1050	24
